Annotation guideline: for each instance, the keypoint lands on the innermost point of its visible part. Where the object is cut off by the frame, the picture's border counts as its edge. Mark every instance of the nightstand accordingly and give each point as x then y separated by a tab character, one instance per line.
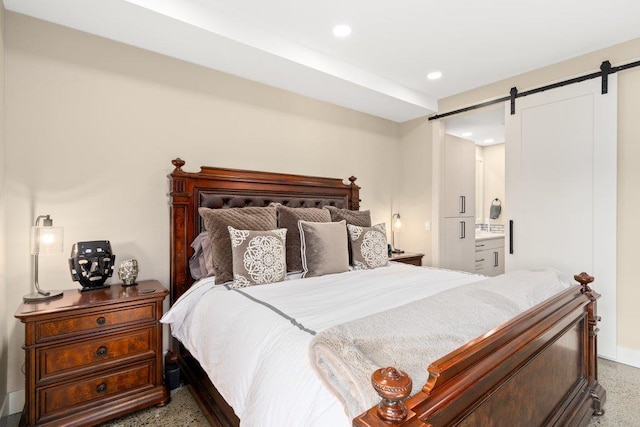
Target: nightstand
93	355
407	258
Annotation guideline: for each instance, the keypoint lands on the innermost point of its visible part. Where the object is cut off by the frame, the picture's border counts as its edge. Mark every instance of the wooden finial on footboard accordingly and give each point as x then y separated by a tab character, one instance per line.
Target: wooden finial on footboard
393	386
596	392
584	279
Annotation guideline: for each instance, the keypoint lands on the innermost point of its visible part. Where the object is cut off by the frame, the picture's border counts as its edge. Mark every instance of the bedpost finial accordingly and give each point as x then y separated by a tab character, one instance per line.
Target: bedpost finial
393	386
352	179
178	163
584	279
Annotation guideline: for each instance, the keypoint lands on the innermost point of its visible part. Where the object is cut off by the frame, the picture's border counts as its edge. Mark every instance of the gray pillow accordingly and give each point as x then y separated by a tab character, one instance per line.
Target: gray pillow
359	218
201	262
323	248
368	246
216	222
198	262
258	256
288	218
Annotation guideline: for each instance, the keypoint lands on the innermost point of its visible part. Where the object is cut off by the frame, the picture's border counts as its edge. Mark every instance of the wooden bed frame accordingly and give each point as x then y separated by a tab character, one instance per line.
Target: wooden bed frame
538	369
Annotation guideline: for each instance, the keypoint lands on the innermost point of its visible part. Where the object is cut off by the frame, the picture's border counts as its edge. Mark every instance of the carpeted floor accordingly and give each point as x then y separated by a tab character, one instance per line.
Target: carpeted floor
622	408
182	411
622	383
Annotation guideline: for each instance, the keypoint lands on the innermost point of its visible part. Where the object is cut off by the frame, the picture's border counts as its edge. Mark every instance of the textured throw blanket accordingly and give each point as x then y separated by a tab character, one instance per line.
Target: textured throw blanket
345	356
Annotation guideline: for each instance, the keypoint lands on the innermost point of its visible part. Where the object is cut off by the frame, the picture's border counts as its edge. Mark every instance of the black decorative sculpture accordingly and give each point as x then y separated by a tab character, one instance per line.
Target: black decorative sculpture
91	263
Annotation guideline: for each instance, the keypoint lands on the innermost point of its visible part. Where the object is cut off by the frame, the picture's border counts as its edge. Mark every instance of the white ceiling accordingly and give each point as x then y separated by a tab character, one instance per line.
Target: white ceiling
381	68
486	126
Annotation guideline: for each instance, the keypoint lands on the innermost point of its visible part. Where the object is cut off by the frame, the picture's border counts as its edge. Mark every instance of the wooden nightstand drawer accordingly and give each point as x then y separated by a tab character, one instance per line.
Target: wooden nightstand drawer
96	354
60	399
58	328
407	258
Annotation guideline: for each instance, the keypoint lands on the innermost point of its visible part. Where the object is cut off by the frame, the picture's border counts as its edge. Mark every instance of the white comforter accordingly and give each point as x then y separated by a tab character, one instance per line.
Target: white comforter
254	343
259	360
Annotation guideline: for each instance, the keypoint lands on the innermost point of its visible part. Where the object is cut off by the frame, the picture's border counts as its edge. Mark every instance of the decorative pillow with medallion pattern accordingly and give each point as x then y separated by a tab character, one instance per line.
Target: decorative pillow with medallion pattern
258	256
368	246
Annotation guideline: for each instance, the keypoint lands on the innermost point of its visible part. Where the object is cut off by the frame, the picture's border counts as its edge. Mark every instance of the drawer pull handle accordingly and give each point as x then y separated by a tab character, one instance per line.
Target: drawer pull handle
101	388
101	320
102	351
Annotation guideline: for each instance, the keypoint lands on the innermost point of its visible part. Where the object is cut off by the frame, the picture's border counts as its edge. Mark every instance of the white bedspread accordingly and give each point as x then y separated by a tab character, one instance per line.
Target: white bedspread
259	360
345	355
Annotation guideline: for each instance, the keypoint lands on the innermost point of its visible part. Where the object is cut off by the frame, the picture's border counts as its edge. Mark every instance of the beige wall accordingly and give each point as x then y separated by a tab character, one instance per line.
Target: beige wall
92	126
412	189
493	185
3	284
628	292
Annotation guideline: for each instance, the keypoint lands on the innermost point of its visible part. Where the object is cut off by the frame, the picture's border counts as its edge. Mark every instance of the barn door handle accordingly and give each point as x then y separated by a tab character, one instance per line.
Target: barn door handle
511	236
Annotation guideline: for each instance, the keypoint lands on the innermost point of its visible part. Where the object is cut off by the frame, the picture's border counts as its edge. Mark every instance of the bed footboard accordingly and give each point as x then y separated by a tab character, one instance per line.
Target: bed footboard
538	369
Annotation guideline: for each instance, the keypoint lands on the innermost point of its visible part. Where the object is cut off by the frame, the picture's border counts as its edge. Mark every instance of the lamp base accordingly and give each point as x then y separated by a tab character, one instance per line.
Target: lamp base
36	297
397	251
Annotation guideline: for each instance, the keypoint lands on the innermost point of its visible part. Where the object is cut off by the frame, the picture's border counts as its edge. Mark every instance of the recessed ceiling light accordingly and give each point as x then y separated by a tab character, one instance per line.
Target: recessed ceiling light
341	30
467	133
489	141
434	75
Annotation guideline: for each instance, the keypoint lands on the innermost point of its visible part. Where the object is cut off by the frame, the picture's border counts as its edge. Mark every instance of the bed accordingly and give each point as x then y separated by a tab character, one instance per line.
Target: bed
538	367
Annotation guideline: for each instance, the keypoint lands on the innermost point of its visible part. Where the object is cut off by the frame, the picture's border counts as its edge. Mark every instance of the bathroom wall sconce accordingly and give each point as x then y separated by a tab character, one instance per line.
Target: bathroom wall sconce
45	239
396	225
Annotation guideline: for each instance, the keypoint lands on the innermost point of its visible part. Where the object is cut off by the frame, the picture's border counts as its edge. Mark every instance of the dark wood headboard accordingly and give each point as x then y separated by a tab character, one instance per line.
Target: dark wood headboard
219	188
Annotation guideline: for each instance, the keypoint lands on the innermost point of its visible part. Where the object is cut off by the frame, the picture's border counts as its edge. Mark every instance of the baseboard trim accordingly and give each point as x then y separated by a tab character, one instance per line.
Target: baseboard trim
16	401
4	409
628	357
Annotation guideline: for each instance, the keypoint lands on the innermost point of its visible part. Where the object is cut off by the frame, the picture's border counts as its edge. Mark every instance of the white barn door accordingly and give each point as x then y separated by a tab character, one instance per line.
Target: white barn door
560	183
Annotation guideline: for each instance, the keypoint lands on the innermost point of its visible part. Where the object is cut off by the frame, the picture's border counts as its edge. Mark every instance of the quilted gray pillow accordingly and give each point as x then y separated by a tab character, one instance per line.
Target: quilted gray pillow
288	218
368	246
258	256
323	248
359	218
216	222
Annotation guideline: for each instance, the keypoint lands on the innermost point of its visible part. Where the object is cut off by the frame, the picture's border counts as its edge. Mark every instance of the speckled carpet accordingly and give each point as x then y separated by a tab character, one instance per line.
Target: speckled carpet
181	411
622	383
622	408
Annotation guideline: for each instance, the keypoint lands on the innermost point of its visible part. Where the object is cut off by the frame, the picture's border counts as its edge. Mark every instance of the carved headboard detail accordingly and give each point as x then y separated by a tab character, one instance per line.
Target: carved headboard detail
220	188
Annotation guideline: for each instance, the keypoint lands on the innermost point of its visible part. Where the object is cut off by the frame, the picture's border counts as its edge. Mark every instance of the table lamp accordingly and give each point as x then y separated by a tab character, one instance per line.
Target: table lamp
45	239
396	225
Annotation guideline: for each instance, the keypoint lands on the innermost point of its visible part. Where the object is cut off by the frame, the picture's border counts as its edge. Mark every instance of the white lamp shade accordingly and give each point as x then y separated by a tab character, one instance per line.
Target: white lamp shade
396	223
46	240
